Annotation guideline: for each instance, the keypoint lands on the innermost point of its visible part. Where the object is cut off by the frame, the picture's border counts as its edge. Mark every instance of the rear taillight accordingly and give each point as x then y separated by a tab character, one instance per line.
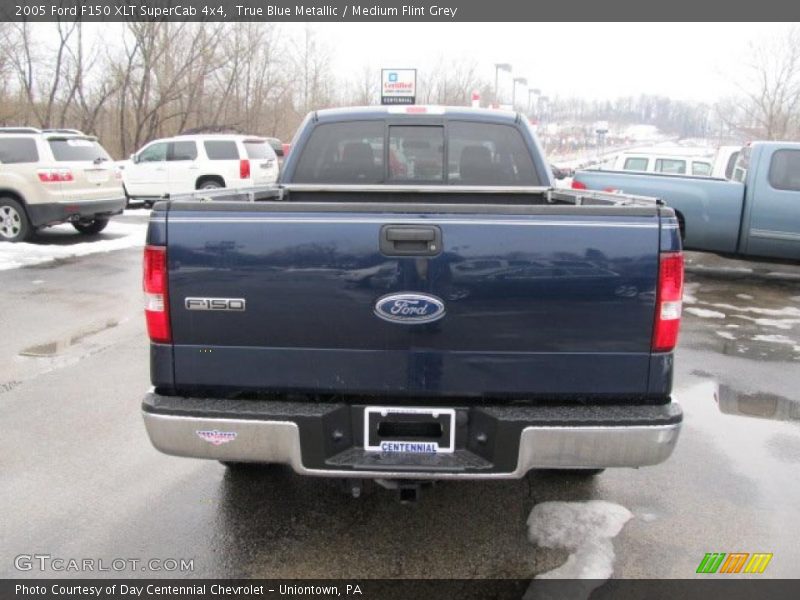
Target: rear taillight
54	175
578	185
668	301
156	299
244	168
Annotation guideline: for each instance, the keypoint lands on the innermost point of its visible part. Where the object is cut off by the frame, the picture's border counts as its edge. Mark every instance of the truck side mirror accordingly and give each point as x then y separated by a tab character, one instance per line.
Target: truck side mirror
133	159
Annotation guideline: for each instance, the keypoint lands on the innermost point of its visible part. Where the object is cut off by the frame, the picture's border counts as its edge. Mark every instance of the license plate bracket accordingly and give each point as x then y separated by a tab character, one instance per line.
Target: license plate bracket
409	430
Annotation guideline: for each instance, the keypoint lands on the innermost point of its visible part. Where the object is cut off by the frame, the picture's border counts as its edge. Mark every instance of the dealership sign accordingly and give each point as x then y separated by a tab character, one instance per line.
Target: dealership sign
398	86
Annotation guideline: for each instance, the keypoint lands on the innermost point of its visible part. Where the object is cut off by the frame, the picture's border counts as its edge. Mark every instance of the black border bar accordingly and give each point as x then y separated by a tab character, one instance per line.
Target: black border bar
410	11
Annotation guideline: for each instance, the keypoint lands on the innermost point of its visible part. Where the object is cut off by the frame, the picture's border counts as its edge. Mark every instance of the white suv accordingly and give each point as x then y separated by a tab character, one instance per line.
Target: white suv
186	163
55	175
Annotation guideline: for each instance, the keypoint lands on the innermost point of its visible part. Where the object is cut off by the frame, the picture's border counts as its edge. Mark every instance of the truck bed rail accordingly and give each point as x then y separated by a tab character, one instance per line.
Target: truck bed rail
539	195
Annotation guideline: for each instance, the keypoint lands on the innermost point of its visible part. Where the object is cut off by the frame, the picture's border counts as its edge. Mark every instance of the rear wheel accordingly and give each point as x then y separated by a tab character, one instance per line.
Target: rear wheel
209	184
91	226
14	223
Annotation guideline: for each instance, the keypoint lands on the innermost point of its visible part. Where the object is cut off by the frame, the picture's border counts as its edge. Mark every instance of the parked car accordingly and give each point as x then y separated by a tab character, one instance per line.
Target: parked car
724	161
55	176
755	215
674	160
198	162
514	326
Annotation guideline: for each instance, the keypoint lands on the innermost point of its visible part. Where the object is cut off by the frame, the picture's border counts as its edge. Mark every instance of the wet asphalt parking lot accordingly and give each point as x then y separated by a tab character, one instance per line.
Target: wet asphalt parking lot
79	479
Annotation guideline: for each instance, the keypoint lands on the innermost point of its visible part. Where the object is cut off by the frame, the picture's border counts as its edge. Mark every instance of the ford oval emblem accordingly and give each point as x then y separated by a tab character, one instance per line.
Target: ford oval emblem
409	308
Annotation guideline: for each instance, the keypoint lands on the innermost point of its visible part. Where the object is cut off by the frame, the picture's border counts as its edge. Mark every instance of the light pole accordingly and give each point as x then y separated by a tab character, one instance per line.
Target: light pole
497	68
532	105
523	81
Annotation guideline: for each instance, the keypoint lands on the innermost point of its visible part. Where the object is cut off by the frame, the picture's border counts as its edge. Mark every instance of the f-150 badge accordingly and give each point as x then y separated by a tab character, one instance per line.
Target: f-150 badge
235	304
409	308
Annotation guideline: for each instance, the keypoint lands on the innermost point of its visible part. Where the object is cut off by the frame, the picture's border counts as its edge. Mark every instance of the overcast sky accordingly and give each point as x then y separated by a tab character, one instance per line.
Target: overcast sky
687	61
691	61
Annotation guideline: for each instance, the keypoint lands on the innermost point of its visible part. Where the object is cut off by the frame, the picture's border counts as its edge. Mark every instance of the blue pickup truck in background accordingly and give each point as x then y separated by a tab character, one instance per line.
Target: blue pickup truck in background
414	301
756	214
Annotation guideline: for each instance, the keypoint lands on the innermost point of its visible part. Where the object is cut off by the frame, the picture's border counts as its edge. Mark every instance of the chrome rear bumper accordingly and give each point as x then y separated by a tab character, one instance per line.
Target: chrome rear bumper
539	447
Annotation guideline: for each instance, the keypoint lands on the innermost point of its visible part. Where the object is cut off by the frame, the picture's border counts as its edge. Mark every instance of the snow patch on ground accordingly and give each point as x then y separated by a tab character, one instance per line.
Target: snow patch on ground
777	339
705	313
726	335
744	296
788	311
68	244
586	529
776	323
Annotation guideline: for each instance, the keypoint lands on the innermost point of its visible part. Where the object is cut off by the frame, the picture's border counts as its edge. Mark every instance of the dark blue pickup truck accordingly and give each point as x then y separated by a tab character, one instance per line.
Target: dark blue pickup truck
414	301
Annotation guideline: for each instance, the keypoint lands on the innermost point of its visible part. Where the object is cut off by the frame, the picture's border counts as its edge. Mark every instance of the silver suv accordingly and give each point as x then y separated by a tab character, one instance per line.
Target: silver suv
53	176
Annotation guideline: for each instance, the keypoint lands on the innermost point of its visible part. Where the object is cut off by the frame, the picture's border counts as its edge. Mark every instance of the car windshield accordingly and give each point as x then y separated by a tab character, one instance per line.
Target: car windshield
77	149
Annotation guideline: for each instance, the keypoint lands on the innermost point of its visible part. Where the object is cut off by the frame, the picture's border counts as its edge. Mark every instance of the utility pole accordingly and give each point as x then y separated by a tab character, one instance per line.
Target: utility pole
497	68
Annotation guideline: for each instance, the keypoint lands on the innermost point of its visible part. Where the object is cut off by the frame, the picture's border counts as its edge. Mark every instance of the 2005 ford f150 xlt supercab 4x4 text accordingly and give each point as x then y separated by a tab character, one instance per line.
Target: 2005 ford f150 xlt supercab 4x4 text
414	301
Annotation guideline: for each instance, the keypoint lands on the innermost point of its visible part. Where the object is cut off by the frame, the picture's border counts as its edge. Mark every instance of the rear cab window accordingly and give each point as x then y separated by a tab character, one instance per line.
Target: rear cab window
18	150
784	170
701	168
416	153
77	150
346	152
488	154
475	153
221	150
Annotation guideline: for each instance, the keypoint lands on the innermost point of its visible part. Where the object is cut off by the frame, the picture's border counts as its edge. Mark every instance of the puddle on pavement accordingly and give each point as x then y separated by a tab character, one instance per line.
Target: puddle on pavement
744	317
758	405
53	348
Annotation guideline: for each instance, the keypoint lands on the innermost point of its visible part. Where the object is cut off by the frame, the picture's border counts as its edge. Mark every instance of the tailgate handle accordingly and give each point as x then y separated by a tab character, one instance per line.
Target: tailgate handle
410	240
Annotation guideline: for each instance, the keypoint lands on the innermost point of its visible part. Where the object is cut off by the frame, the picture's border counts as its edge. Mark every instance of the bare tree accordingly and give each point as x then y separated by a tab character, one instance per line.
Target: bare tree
312	63
44	81
450	82
161	77
770	84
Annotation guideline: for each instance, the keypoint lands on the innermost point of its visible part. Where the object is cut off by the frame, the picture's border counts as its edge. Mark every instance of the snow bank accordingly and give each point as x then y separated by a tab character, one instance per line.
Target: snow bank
63	241
586	529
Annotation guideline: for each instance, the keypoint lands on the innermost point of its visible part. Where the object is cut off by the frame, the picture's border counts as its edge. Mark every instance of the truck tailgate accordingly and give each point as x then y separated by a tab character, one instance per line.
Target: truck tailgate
541	300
